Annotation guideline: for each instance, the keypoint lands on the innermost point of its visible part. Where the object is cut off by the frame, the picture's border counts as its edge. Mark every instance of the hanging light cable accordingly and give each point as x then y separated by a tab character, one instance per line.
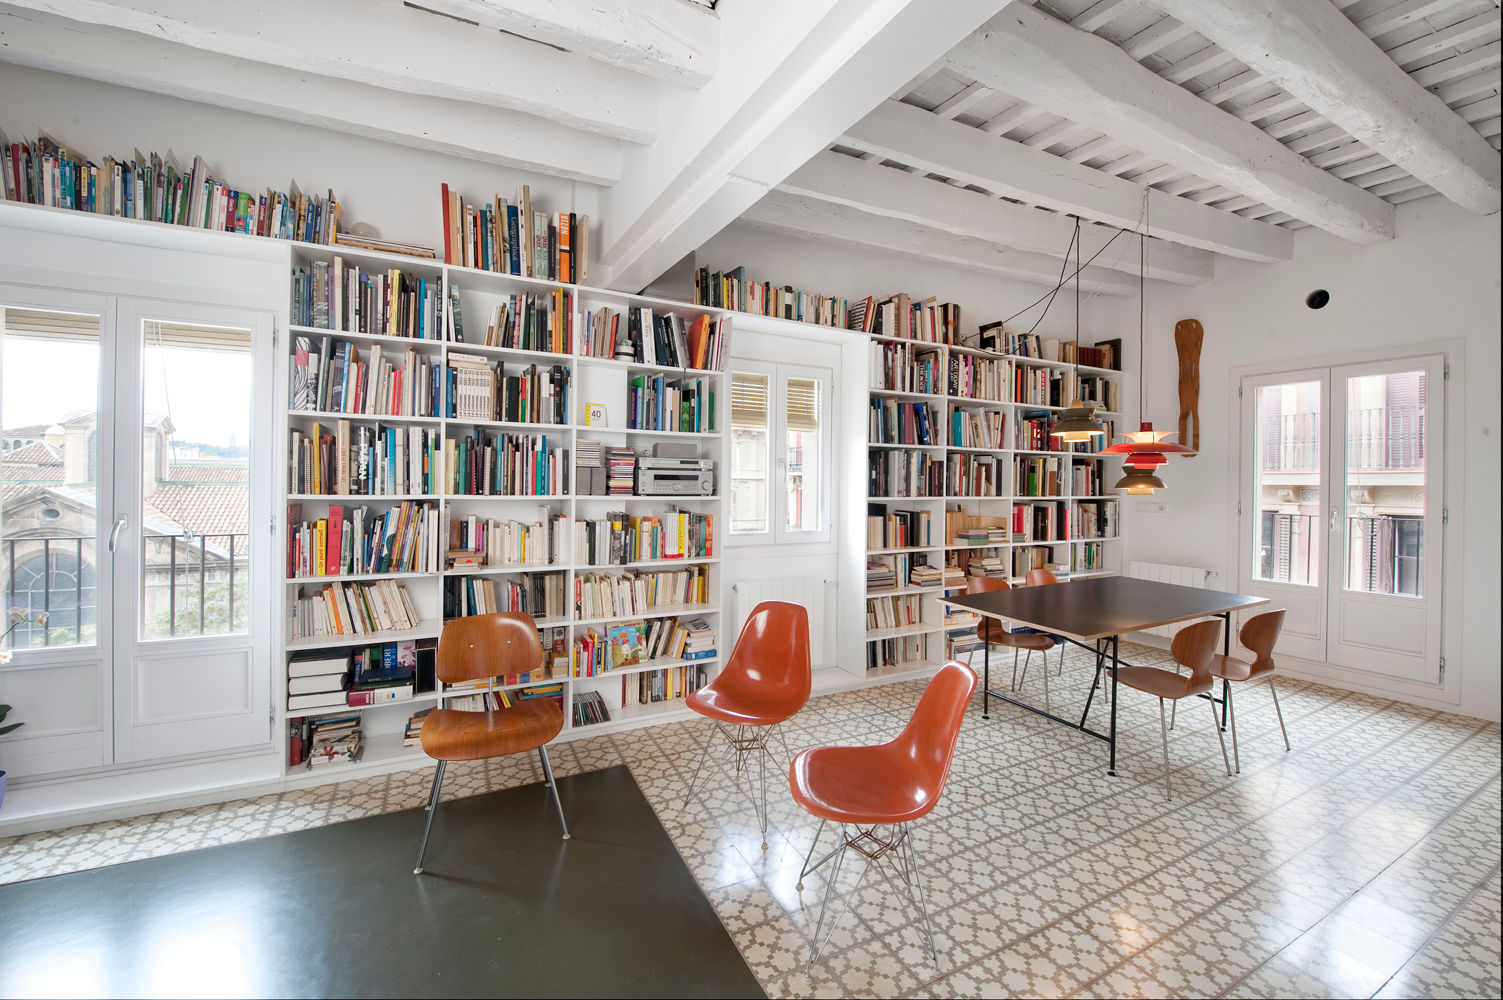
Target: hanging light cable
1078	421
1146	449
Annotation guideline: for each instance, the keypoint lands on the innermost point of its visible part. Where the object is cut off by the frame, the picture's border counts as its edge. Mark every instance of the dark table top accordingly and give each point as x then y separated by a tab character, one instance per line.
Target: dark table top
1086	610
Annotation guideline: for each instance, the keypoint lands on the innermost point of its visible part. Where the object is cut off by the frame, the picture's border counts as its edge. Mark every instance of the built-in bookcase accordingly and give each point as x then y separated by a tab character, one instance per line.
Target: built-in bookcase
535	336
963	479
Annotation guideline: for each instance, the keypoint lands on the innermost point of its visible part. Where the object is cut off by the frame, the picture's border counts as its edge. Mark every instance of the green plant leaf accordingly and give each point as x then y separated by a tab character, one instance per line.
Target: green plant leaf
11	728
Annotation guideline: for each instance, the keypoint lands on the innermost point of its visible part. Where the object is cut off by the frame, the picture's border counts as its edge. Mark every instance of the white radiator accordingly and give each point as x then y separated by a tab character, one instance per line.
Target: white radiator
808	591
1184	576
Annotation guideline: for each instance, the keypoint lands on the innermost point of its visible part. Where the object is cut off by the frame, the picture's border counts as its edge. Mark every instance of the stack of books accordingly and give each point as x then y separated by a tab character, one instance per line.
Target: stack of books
412	735
590	708
333	739
621	472
880	575
382	674
354	609
954	577
924	575
699	643
316	680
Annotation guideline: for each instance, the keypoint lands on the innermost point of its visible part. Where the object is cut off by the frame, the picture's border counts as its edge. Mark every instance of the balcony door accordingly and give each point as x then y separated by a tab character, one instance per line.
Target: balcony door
134	437
1341	511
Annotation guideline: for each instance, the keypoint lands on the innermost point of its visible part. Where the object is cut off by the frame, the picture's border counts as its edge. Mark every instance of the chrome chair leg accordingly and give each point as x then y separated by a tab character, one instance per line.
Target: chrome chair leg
918	879
784	740
1060	672
1231	706
1014	686
1045	672
762	768
1275	692
1221	737
806	870
825	905
553	786
703	753
1164	736
438	783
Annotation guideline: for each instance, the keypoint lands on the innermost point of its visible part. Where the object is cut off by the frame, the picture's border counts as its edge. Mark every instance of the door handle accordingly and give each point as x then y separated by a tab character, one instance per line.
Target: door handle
1334	514
115	532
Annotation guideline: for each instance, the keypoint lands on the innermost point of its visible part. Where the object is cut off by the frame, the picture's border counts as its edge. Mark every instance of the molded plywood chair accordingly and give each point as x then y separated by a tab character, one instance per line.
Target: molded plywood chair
894	785
1193	647
765	683
991	632
474	648
1259	634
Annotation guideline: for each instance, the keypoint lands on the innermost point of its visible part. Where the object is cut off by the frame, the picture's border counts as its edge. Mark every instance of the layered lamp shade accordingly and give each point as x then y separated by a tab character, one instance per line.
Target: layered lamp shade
1077	423
1146	449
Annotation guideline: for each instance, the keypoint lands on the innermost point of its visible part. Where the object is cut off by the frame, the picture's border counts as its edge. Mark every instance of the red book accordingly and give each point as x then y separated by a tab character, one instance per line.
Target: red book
448	252
332	562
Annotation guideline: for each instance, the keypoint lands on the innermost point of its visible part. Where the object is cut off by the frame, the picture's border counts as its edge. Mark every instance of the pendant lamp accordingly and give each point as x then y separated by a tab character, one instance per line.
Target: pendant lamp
1077	422
1146	449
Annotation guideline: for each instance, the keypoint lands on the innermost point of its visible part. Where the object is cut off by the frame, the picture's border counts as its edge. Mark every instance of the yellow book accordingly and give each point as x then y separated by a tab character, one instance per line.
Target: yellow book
320	543
316	486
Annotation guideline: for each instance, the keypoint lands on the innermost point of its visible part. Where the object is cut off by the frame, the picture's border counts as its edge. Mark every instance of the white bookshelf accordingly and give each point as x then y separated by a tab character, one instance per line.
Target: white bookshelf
592	380
913	648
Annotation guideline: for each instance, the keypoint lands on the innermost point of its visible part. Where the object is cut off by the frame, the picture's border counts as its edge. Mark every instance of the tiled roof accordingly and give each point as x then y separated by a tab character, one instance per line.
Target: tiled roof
206	474
203	508
38	453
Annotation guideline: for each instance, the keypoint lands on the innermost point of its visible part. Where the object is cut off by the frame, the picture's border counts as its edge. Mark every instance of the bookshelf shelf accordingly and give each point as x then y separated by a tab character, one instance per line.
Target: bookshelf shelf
590	380
417	699
874	634
661	663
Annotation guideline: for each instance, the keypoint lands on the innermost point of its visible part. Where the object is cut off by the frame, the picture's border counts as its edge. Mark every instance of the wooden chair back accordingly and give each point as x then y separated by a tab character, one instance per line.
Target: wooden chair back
985	584
1195	647
487	646
1260	633
1039	578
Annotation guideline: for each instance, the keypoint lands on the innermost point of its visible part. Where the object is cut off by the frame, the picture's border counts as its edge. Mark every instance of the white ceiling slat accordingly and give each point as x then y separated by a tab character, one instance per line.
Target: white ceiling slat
1478	110
1207	59
1378	17
1281	104
1102	11
1294	124
677	43
1347	152
1457	34
1359	166
1413	194
453	128
1156	37
1388	174
1231	87
1481	57
1059	132
1034	57
807	218
1312	51
1102	145
963	101
354	40
833	177
1478	83
1014	117
910	135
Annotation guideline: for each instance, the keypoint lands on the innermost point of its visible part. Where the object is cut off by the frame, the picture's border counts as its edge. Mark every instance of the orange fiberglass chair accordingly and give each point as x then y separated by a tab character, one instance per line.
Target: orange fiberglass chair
893	785
1193	647
1259	634
470	649
766	682
991	632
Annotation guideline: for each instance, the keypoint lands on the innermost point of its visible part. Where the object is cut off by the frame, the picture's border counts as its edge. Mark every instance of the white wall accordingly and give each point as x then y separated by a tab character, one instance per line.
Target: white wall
1438	281
393	188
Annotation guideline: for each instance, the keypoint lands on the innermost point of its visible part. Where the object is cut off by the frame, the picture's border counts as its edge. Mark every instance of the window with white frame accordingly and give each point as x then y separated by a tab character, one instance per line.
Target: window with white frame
780	466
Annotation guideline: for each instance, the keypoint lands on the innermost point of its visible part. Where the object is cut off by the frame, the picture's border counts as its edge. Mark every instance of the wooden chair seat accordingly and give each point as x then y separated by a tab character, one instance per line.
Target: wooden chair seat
1163	683
527	725
992	631
1229	668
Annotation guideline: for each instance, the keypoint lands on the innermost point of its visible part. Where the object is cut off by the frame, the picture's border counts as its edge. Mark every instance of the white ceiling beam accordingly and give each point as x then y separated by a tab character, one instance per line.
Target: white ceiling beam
488	135
878	190
668	40
1316	54
779	98
911	135
806	218
1029	54
392	46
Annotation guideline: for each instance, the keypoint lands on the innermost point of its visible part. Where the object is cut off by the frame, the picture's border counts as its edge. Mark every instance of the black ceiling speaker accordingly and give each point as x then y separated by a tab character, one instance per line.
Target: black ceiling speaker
1318	298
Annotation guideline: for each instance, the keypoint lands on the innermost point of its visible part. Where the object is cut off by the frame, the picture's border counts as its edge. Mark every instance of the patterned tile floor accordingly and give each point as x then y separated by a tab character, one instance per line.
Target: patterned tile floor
1364	863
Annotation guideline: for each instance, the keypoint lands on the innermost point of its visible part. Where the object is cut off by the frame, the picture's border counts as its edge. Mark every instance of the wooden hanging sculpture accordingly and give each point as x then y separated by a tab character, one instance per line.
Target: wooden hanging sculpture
1188	335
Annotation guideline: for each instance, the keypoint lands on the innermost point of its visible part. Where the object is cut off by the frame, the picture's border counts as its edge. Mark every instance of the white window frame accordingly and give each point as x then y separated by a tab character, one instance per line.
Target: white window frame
778	534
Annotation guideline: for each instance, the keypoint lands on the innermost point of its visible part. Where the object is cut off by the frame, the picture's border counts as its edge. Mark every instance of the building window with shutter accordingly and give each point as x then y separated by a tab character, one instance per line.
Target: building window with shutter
780	452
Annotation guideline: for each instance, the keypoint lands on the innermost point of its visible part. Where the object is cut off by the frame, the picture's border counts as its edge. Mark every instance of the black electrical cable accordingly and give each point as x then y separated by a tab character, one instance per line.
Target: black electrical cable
1061	284
1062	279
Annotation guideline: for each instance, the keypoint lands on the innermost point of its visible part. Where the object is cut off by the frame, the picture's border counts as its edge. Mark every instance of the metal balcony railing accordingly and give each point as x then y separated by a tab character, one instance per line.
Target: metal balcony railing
1379	439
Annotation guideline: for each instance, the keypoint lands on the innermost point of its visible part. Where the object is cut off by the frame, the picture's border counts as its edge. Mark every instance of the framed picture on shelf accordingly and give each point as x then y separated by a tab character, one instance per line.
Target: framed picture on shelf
594	415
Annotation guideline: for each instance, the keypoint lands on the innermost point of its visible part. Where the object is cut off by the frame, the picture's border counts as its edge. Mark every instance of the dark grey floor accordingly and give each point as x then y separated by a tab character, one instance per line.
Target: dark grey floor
506	908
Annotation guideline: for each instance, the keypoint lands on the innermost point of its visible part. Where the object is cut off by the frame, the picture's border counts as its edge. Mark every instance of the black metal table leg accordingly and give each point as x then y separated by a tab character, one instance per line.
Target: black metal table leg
986	672
1226	650
1112	739
1095	682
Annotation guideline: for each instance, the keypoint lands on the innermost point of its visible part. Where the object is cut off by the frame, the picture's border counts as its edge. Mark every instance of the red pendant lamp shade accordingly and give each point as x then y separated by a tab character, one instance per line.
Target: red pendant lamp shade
1147	448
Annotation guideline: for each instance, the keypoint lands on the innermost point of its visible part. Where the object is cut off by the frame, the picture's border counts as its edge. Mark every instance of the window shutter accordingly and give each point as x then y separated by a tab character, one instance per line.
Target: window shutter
749	401
803	405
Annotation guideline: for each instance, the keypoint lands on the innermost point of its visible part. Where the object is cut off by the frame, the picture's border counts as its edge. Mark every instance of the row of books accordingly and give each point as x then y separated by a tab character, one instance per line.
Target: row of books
353	609
977	428
158	189
363	676
927	320
894	421
604	595
621	537
478	391
329	376
541	595
629	643
527	321
904	474
904	368
658	403
555	642
1086	480
732	290
667	340
528	688
389	302
651	687
894	612
1100	391
1036	476
903	651
972	475
590	708
1038	522
364	460
1088	558
1041	386
486	463
896	529
972	377
476	542
1093	519
1054	558
315	743
350	540
965	528
514	238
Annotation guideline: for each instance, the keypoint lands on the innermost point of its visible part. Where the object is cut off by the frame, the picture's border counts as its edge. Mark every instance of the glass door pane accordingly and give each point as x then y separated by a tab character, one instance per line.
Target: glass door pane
49	463
1287	486
195	475
802	396
749	447
1384	483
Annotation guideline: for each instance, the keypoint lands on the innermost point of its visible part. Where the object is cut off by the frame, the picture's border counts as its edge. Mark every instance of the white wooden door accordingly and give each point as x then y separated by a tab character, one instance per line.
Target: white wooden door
1341	511
192	569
